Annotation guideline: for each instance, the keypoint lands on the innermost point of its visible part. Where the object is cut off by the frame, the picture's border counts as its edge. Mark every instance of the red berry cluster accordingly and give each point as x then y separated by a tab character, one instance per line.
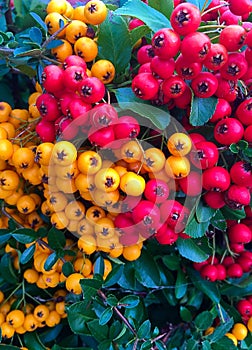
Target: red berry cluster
69	94
244	307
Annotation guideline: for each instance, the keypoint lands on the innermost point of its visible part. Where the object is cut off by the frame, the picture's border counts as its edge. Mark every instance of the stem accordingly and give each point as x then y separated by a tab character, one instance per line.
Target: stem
214	250
221	314
204	6
142	150
124	319
218	26
214	8
215	37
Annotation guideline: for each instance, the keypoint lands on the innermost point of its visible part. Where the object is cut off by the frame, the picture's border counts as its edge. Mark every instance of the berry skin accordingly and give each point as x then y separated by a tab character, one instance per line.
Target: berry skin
228	131
232	37
185	18
145	86
236	197
165	43
216	179
209	272
195	47
204	85
239	233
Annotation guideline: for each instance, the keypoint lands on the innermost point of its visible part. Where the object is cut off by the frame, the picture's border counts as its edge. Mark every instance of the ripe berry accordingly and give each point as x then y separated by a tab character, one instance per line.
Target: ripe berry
204	85
228	131
156	191
173	87
48	107
239	233
234	271
232	37
145	86
73	77
165	43
241	173
92	90
237	196
216	58
187	70
235	67
195	47
214	199
209	272
52	78
145	54
185	18
244	112
205	156
222	110
216	179
244	307
163	68
126	127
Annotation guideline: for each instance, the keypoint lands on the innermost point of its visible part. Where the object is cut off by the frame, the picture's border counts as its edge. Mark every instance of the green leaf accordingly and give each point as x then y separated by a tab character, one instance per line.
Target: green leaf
224	344
192	344
33	342
151	17
98	331
196	229
9	347
202	110
35	35
171	261
146	270
221	330
206	345
50	261
27	70
106	316
231	214
163	6
27	254
106	345
193	250
129	301
208	288
137	33
79	314
67	268
7	271
113	276
99	265
127	100
185	314
114	42
56	239
25	235
90	287
5	237
234	148
54	43
204	213
144	330
204	320
38	19
112	300
181	285
219	221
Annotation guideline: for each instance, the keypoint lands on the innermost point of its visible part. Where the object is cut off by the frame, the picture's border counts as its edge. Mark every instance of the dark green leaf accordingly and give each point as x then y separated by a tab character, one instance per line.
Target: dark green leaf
208	288
98	331
144	330
27	254
171	261
39	20
196	229
7	271
192	344
234	148
185	314
9	347
26	52
137	33
50	261
219	221
113	276
56	239
204	213
67	268
90	287
181	285
33	342
27	70
106	345
192	249
54	43
111	300
146	270
202	110
129	301
99	265
221	330
231	214
163	6
151	17
35	35
127	100
79	314
114	42
105	316
224	344
204	320
248	152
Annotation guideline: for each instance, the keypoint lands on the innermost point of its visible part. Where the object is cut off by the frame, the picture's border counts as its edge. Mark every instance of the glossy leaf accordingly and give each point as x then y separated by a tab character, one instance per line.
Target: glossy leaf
105	316
192	249
202	110
114	42
204	320
181	285
163	6
144	330
151	17
27	254
146	270
157	116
